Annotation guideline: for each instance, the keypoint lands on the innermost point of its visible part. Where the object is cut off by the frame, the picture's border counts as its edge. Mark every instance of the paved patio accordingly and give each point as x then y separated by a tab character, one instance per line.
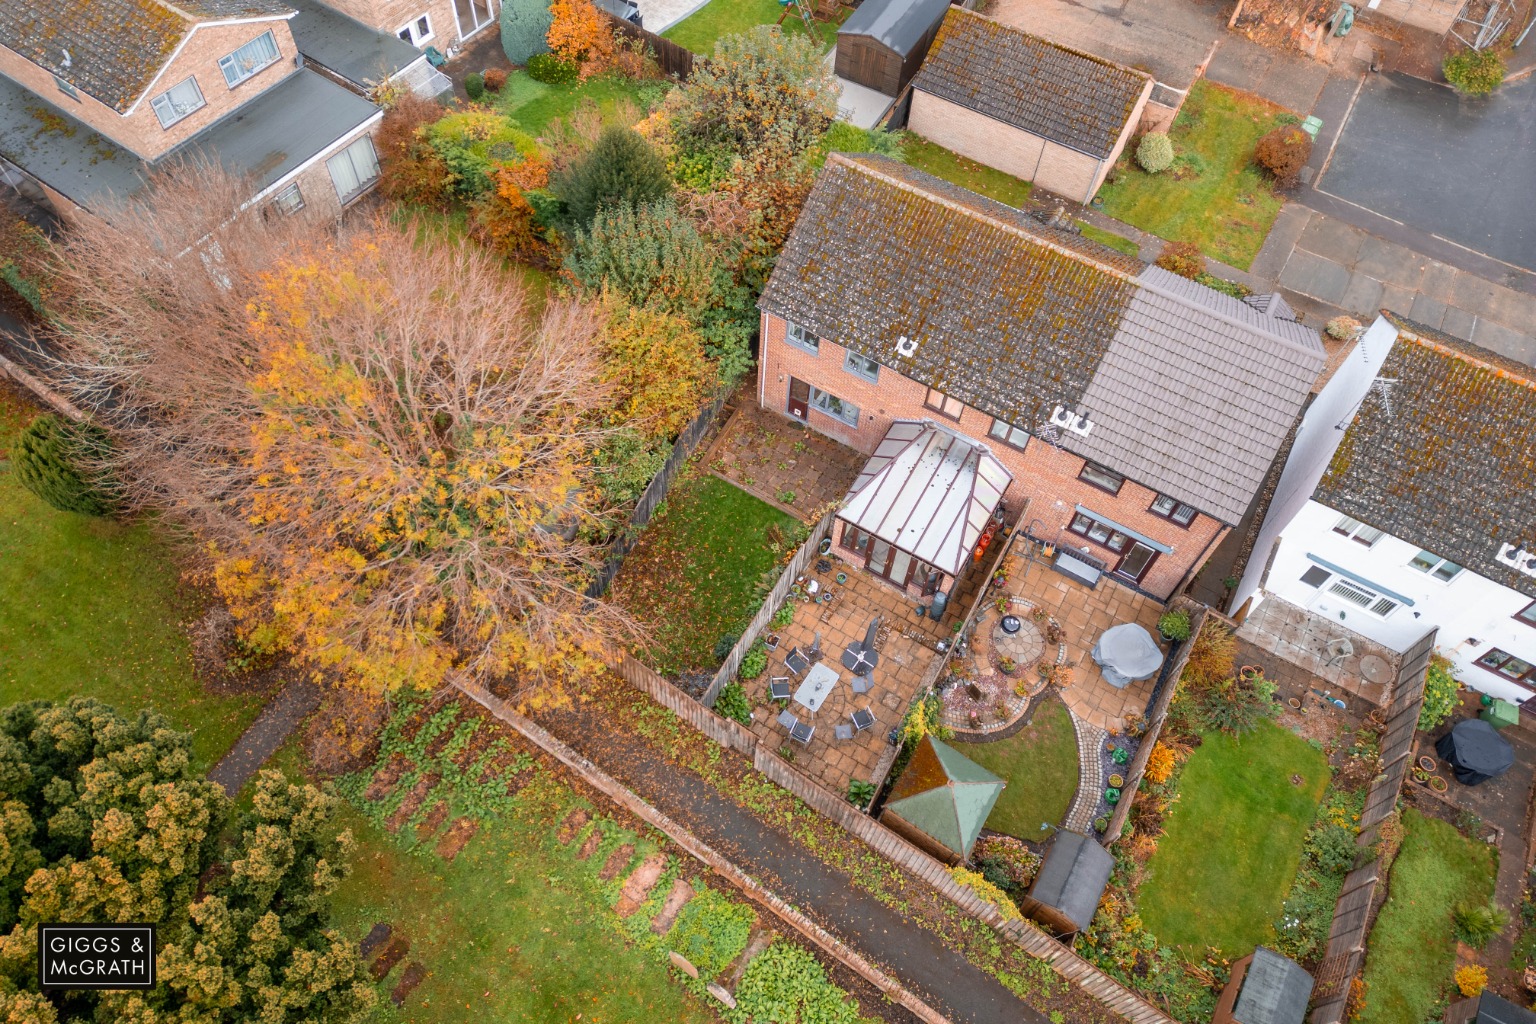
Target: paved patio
1298	638
772	457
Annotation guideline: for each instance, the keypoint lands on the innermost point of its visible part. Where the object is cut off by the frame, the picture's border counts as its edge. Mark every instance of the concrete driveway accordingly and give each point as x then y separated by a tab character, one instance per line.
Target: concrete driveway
1459	169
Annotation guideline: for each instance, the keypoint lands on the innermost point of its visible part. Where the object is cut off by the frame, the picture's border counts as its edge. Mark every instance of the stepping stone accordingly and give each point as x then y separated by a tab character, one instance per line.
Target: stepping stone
457	836
392	954
757	941
572	825
683	964
618	860
681	893
640	883
412	802
590	844
721	994
376	937
385	778
413	975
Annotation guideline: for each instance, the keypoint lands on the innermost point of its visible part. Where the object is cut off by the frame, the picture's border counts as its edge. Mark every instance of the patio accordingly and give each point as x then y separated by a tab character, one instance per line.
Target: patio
1312	644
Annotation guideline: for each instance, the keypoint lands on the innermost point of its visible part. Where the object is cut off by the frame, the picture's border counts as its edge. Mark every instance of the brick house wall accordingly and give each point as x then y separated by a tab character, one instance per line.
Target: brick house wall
139	131
392	15
314	180
1044	476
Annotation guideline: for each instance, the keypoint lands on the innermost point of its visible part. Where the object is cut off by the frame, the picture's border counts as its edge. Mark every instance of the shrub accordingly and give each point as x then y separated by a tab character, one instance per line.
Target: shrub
1160	764
731	702
1331	846
860	792
754	662
1212	658
50	459
624	467
410	169
1174	625
784	616
1008	856
1155	152
1237	707
474	86
622	168
552	70
1342	328
579	34
474	144
978	884
1182	258
504	220
1471	979
843	137
1440	689
704	170
1478	923
494	78
651	255
659	372
524	29
1283	152
724	645
711	930
785	983
1474	72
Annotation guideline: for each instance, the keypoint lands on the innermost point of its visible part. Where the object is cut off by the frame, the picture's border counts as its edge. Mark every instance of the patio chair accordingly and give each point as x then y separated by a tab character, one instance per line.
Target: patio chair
863	719
778	688
797	663
843	732
862	684
788	720
802	733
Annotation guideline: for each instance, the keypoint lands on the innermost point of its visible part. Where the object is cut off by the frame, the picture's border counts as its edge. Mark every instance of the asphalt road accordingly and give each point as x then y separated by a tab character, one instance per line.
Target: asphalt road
1458	168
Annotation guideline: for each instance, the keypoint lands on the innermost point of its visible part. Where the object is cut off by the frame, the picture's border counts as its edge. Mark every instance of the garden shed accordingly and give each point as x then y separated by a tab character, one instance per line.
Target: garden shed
1488	1008
1265	988
1072	878
883	42
941	801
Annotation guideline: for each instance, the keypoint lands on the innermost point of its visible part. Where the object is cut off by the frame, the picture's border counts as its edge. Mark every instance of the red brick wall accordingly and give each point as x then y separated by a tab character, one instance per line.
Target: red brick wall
1042	475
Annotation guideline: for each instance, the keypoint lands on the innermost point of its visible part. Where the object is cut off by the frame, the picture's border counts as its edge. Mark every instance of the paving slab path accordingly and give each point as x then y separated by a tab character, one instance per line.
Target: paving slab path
261	739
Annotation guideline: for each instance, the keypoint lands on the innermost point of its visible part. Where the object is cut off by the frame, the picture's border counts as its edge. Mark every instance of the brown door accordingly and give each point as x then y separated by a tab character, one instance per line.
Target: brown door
1138	559
799	399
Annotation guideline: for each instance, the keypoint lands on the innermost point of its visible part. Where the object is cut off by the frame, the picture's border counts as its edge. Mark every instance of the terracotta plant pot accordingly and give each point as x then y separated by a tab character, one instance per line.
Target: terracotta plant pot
1294	703
1427	763
1438	784
1116	781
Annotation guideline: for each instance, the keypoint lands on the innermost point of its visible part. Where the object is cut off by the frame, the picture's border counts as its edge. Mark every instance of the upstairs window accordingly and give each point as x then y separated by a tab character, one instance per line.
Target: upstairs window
1527	614
1102	477
249	59
1009	434
1442	569
1357	531
861	366
1508	666
66	88
177	102
942	404
1170	508
797	335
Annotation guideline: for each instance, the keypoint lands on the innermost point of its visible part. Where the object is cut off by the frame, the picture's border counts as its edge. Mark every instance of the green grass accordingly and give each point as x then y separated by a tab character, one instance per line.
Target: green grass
699	30
95	607
1220	875
1109	238
962	171
694	570
1412	948
1228	207
1040	764
534	105
453	226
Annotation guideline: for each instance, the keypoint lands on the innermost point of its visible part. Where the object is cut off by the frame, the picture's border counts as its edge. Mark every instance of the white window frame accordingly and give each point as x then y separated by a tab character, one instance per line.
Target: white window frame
346	154
411	30
854	363
801	338
829	404
1431	564
289	199
1012	436
244	73
1357	531
155	103
67	88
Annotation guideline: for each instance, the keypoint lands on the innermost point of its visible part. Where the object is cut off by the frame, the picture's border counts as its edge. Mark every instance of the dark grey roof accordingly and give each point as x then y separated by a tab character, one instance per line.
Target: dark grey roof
1190	391
1272	303
48	143
1073	875
897	24
1495	1009
359	53
1275	991
1451	465
1072	98
115	47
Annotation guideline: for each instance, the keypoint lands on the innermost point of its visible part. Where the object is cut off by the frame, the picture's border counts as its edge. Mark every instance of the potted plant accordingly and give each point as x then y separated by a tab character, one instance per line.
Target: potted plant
1007	666
1420	775
1053	632
1111	796
771	641
1427	763
1101	824
1037	613
1120	755
1438	784
975	718
1174	626
1116	781
825	546
1001	604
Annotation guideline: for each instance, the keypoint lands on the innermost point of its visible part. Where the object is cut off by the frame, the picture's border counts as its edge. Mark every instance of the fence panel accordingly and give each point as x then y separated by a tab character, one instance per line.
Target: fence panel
676	61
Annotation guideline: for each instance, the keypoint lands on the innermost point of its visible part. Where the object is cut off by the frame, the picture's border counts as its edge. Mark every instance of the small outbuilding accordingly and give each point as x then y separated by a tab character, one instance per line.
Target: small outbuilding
1265	988
1029	107
1488	1008
1070	883
883	42
941	801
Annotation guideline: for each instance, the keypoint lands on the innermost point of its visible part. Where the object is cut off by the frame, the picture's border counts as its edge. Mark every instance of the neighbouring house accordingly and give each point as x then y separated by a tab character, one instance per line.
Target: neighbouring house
941	801
1408	503
1488	1008
1074	873
988	362
883	42
1029	107
442	24
1265	988
361	56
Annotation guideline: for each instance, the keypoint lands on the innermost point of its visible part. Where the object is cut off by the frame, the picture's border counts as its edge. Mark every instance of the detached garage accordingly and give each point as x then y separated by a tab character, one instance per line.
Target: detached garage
1039	111
883	42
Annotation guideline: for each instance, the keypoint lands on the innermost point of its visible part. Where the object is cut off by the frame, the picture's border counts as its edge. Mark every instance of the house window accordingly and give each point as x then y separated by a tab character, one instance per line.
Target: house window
1367	599
1316	576
417	32
1169	508
856	540
1508	666
835	407
1086	526
249	59
354	169
1440	568
861	366
177	102
1009	434
66	88
1357	531
1103	478
1527	614
797	335
942	404
290	199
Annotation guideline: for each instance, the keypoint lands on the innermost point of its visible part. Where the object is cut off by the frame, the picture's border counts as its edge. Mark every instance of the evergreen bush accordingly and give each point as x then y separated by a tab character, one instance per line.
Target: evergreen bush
621	168
1474	72
1155	152
474	85
552	70
1478	923
49	458
524	29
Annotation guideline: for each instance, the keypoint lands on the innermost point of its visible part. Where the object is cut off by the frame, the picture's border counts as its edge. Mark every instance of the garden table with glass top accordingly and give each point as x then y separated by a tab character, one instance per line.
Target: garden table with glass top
819	684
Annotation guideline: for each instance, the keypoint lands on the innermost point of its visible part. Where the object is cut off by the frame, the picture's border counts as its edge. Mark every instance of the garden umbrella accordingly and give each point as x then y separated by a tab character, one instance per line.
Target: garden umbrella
1476	751
861	657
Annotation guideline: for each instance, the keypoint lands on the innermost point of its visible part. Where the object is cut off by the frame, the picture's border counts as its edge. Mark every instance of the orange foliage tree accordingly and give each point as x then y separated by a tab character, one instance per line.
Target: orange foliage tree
658	368
504	219
578	33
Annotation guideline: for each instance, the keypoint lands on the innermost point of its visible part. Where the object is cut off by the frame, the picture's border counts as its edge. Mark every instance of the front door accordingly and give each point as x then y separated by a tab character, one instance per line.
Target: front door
799	399
472	15
1136	561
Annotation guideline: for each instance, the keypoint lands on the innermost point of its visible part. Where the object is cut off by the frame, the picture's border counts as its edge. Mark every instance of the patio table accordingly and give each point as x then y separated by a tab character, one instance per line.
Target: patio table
819	683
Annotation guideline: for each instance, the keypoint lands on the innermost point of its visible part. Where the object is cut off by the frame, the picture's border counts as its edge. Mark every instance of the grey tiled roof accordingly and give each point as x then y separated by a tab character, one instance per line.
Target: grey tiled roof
115	47
1275	991
1072	98
1191	392
898	24
1451	466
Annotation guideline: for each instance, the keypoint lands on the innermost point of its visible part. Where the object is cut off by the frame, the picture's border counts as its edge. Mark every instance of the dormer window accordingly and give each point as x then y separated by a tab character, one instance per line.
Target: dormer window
1102	477
1171	508
66	88
249	59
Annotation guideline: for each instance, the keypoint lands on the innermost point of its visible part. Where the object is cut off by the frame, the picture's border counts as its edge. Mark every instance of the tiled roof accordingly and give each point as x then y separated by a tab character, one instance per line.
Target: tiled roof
1190	392
1451	465
115	47
1061	94
897	24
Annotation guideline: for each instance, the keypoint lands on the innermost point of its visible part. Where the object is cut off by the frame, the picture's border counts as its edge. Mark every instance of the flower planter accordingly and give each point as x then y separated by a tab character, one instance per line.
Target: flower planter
1438	784
1294	703
1116	781
1112	796
772	642
1120	755
842	577
825	546
1427	763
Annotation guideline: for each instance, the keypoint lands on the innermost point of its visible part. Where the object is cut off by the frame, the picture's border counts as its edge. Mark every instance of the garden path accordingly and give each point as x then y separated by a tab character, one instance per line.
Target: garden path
1090	776
260	741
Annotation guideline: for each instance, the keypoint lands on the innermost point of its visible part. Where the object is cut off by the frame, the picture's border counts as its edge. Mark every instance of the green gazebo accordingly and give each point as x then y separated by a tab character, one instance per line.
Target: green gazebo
941	801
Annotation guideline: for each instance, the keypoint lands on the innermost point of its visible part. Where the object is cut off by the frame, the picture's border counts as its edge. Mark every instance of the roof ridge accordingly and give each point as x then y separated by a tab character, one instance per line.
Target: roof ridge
1465	357
1014	29
1183	300
180	12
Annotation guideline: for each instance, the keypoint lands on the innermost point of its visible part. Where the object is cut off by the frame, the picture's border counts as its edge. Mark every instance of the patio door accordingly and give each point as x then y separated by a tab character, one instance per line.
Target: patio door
799	399
1137	560
889	562
472	16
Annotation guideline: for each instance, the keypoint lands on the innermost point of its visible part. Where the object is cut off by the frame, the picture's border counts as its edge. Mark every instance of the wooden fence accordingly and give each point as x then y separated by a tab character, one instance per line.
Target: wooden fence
676	61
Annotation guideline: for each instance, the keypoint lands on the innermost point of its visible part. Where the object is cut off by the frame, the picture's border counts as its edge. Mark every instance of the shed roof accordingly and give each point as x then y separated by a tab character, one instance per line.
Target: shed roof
1495	1009
113	48
929	492
945	794
1275	991
359	53
1072	876
897	24
1446	459
1058	93
1191	392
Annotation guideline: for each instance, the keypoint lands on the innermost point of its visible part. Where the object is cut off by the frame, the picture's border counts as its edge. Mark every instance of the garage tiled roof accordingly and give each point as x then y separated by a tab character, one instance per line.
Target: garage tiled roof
1451	465
1071	98
115	47
1190	392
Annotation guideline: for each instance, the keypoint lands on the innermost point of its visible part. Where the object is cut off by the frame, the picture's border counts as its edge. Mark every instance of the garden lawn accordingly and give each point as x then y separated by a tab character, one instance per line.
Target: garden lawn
1214	196
1109	238
1220	874
1412	949
965	172
718	18
533	105
95	607
693	575
1040	765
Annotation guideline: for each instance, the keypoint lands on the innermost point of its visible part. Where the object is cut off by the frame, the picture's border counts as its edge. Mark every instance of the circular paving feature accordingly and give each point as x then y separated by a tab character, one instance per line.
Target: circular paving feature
1025	647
